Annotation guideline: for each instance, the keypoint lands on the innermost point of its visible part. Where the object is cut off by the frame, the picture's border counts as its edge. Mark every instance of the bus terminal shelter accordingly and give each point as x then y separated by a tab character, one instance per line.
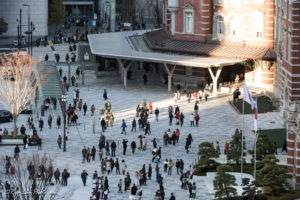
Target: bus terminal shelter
128	47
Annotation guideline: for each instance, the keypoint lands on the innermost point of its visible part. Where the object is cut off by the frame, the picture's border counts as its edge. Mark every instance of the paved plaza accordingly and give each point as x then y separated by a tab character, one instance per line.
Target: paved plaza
218	121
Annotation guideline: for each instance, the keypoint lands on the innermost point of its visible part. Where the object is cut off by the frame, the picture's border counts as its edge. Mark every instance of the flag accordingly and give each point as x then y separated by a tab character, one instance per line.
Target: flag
255	117
248	97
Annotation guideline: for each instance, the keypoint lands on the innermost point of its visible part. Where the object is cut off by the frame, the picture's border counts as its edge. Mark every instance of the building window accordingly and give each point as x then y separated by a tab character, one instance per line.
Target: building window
285	9
284	44
290	12
188	71
289	45
258	25
188	21
220	25
233	29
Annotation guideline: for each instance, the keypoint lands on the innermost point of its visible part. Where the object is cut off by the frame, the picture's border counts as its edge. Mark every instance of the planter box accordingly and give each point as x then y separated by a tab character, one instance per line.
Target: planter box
11	142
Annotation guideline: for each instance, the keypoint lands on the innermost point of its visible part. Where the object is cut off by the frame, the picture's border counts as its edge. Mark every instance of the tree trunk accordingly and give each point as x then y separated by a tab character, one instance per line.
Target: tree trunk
15	125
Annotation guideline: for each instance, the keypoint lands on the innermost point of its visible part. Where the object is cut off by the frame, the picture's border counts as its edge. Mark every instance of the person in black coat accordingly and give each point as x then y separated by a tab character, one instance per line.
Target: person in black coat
41	124
22	129
93	153
84	175
149	171
113	148
17	152
134	190
57	175
105	95
133	125
58	122
124	146
49	120
133	146
172	197
103	124
84	108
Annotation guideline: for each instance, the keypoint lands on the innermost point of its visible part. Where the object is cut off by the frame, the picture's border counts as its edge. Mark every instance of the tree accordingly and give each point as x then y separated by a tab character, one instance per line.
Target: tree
263	147
31	181
57	12
223	182
207	151
273	176
249	189
158	12
17	83
235	148
3	26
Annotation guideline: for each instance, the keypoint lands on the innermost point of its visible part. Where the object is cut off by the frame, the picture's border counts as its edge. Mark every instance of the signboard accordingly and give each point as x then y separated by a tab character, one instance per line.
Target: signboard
95	16
94	23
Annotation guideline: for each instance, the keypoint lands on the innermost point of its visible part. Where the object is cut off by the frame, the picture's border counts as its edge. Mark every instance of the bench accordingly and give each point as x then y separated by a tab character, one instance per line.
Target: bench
11	142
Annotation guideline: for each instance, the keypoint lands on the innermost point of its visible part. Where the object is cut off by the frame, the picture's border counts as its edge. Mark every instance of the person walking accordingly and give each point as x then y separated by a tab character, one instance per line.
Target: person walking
59	141
170	118
58	122
197	118
133	125
93	109
49	120
84	176
170	165
93	153
84	108
133	146
120	186
41	124
113	146
64	177
123	126
156	112
105	95
226	148
84	153
172	197
124	146
149	172
57	175
192	119
17	152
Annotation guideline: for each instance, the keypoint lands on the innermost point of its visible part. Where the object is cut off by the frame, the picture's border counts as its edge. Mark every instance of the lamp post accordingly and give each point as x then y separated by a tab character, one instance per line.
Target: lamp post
64	99
27	5
108	4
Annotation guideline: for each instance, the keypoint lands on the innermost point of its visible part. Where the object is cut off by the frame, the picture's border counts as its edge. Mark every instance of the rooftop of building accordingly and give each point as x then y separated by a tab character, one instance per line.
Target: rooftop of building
162	40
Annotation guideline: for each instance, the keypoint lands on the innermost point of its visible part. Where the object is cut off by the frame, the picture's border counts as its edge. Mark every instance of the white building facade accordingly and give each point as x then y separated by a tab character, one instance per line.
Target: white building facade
10	11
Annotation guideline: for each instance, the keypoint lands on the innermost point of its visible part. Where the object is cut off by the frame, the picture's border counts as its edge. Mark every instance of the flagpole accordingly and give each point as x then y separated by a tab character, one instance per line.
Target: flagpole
243	128
255	140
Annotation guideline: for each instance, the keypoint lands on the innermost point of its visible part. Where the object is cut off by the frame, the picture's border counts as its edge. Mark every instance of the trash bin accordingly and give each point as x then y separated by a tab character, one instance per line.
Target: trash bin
42	110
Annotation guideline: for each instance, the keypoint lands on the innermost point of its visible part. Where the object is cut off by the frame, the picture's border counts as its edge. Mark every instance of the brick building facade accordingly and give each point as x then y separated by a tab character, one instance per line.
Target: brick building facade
247	23
272	24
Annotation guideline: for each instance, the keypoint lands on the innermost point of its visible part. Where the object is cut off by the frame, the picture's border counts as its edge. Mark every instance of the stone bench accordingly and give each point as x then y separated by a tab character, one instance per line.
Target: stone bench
11	142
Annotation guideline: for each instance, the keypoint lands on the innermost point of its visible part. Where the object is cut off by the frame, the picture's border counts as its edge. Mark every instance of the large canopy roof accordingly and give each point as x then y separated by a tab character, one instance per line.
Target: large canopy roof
129	45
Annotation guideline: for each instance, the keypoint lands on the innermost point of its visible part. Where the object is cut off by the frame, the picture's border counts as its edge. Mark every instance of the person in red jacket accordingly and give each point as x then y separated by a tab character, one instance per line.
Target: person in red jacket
226	147
197	118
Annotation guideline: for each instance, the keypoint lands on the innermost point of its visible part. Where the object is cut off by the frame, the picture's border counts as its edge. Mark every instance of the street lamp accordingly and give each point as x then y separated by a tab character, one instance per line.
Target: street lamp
27	5
64	99
108	4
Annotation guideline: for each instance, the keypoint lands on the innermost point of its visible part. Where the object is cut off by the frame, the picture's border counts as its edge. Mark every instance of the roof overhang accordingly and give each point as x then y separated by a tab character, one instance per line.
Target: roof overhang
118	45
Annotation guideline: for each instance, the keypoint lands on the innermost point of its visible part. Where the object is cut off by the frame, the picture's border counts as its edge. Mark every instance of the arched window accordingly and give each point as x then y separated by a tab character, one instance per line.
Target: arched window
247	28
220	25
233	29
258	24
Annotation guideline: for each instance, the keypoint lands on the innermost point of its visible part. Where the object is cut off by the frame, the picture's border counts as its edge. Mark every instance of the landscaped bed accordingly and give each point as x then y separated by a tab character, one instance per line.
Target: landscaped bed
264	104
11	137
275	135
